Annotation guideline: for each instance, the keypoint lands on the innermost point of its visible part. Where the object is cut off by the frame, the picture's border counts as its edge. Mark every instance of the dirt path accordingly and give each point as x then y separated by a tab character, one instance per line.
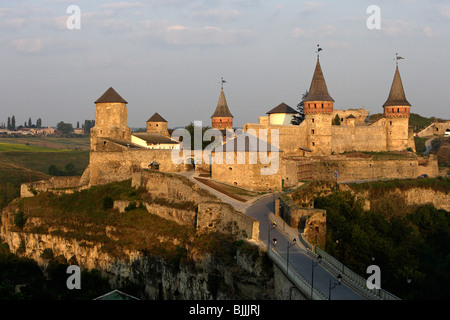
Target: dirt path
217	187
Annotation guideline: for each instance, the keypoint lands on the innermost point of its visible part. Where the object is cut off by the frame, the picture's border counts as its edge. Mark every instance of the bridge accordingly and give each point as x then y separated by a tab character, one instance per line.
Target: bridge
311	270
316	279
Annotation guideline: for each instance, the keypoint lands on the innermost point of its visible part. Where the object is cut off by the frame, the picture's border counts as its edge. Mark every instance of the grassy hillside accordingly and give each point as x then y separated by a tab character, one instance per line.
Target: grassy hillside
416	121
20	163
18	160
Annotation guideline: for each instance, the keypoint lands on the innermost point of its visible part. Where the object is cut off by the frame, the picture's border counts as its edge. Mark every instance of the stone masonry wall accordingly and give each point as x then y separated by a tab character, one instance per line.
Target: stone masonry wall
309	221
212	215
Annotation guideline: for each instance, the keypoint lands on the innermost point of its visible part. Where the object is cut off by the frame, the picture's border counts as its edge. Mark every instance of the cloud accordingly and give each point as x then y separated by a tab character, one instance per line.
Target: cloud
12	24
311	7
395	28
29	45
321	31
429	32
181	35
122	5
444	10
217	15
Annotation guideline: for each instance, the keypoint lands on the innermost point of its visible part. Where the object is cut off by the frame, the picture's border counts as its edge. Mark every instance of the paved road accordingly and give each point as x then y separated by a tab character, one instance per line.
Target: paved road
262	210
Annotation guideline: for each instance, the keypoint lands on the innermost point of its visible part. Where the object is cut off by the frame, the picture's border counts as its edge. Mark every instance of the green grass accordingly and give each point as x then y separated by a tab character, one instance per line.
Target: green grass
420	144
381	187
14	147
82	216
82	143
40	161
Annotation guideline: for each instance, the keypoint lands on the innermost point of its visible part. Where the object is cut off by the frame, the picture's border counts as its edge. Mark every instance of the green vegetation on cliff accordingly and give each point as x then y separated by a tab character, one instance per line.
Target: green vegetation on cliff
378	188
406	242
86	216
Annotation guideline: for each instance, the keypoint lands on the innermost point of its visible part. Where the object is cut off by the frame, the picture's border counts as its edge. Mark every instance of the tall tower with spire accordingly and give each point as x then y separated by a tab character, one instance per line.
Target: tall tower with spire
222	117
318	110
397	112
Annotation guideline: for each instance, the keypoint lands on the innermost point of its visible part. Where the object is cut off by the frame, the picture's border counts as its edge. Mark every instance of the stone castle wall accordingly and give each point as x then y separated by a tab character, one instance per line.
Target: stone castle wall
358	138
60	185
211	214
350	168
246	174
437	128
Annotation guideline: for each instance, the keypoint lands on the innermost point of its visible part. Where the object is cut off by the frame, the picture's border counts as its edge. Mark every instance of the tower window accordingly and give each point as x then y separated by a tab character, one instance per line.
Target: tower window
313	143
312	131
313	120
398	109
322	105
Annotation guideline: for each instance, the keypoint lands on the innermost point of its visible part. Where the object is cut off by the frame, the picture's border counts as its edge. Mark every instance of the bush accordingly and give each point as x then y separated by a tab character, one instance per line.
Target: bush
108	203
20	219
47	254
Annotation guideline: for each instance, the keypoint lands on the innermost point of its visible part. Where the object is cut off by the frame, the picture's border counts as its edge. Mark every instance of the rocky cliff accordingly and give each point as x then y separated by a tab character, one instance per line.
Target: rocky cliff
241	271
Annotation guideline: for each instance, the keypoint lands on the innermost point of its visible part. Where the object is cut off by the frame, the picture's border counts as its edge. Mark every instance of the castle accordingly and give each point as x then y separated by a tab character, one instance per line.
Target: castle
314	149
317	136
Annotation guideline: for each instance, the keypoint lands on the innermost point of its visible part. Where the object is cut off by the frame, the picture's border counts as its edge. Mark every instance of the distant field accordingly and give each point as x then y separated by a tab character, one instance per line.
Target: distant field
29	158
13	147
50	142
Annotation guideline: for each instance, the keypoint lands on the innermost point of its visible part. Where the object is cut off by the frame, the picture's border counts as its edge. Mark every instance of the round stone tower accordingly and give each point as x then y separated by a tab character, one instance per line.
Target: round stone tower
157	124
222	117
318	110
397	112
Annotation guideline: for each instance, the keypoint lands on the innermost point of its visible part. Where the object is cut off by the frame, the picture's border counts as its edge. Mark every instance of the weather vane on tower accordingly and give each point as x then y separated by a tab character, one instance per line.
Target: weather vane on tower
397	57
318	51
222	82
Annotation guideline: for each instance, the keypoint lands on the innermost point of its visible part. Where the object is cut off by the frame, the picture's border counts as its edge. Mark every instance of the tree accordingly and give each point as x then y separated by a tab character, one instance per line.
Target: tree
29	123
336	121
39	123
70	169
64	127
297	119
8	126
191	129
88	124
13	123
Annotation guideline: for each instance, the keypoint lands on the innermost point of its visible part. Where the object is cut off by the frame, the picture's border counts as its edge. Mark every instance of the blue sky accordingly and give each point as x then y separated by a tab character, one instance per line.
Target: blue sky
168	56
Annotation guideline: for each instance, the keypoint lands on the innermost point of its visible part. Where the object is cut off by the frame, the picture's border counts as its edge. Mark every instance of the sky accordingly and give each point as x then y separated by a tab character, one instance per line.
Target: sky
168	56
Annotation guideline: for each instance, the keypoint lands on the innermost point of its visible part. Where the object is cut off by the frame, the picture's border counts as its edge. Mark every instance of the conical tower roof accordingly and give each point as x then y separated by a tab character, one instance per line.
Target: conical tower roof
110	96
318	90
156	118
397	94
222	107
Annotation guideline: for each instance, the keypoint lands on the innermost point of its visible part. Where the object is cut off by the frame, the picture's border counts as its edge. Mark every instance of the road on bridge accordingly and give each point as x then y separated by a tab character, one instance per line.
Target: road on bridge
299	259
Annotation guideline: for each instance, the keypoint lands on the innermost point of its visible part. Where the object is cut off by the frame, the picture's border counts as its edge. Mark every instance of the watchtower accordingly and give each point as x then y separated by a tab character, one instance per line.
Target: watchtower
110	118
318	109
157	124
222	117
397	113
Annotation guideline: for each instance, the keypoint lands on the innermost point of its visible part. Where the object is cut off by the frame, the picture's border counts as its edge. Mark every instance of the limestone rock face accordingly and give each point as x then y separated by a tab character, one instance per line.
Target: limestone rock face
201	277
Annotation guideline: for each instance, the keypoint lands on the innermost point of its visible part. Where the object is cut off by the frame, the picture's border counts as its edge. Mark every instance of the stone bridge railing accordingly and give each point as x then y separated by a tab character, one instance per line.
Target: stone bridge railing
295	277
